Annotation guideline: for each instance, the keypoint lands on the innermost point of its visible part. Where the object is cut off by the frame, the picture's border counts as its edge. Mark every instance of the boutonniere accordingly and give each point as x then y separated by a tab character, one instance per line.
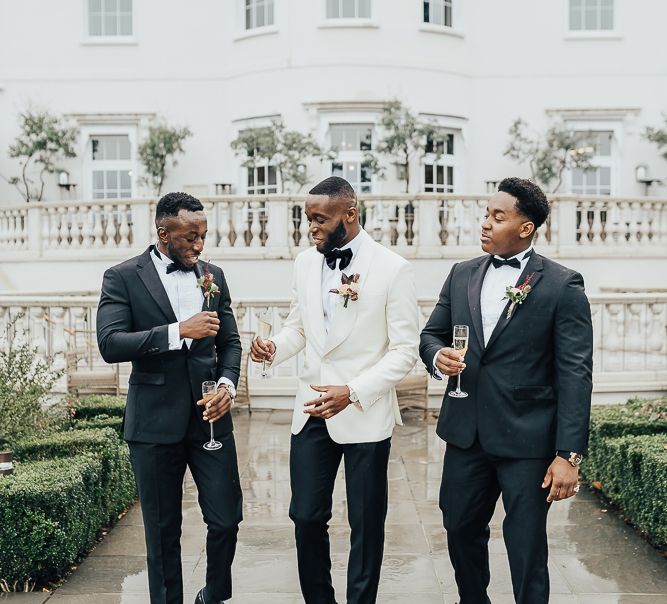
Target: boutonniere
349	288
208	285
516	295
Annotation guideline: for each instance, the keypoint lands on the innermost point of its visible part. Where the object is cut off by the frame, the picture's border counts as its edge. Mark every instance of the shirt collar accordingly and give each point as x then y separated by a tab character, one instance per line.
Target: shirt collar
521	256
159	258
353	245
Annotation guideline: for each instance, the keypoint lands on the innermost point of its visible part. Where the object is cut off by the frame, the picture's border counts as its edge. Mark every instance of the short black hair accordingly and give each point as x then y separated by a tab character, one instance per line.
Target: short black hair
531	201
336	188
172	203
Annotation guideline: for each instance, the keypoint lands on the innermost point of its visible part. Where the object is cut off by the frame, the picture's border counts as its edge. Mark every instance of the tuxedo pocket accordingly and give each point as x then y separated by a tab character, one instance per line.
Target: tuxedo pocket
526	393
141	377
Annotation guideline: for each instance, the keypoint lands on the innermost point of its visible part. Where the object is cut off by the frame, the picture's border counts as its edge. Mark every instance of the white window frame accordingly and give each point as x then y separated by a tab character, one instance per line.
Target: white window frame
107	39
340	8
266	166
88	132
342	22
353	157
446	161
612	161
254	10
593	34
444	4
245	124
242	33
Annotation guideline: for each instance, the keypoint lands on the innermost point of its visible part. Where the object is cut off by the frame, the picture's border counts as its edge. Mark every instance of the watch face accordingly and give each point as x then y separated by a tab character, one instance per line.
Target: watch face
576	458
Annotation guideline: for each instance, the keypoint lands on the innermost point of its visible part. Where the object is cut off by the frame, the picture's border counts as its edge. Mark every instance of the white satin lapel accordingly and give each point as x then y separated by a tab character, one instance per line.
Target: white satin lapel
314	312
344	319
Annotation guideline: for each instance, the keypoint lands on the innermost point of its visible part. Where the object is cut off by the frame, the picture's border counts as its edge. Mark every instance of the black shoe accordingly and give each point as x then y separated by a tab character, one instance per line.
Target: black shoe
201	598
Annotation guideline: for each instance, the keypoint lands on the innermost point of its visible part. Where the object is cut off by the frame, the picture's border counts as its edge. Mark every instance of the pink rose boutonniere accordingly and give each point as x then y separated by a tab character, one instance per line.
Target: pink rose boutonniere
349	288
208	285
517	295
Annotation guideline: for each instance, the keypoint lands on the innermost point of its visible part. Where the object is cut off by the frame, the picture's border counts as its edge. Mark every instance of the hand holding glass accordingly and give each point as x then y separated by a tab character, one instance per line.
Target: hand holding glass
208	391
264	328
461	346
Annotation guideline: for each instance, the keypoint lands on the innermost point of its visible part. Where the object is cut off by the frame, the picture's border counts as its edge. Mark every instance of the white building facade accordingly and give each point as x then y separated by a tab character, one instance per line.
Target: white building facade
326	67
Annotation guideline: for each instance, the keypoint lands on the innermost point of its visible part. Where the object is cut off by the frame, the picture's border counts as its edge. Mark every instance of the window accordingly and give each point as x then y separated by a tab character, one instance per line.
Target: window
112	167
351	137
598	180
591	15
438	12
262	180
439	163
258	13
348	9
109	17
352	142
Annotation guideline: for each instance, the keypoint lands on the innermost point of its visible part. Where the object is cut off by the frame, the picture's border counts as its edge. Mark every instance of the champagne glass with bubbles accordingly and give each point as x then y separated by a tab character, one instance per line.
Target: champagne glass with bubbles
264	328
208	391
461	346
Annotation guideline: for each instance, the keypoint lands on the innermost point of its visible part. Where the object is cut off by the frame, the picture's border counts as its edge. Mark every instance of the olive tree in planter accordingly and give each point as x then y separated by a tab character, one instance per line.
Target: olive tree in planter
43	141
162	144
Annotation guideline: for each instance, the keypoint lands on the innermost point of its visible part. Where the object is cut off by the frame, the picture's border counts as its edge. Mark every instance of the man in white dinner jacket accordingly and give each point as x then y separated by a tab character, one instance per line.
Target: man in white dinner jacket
359	342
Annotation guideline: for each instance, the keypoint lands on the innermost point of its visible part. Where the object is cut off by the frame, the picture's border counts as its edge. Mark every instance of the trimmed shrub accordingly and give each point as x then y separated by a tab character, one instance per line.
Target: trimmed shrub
50	513
102	421
627	462
117	479
89	407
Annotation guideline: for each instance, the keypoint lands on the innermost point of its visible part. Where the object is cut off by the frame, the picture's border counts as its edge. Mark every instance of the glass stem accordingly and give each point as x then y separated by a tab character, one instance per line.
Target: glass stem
211	424
458	383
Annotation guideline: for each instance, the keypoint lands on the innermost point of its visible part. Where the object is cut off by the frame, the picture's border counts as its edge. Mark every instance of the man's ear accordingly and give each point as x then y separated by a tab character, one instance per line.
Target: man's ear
162	234
527	230
351	214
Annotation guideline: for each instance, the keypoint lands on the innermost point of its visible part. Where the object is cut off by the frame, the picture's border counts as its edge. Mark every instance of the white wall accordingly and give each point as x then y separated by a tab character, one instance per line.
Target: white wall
192	63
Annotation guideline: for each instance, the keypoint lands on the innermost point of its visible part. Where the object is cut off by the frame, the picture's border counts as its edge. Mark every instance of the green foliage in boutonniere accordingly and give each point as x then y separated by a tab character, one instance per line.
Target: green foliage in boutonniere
349	288
208	285
517	295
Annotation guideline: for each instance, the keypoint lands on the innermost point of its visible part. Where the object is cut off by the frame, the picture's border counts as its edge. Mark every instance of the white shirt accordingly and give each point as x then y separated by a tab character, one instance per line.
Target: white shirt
185	296
492	297
331	279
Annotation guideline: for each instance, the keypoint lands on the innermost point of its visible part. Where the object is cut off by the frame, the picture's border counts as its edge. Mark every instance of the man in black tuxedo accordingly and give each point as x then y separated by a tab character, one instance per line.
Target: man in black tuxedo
523	429
177	335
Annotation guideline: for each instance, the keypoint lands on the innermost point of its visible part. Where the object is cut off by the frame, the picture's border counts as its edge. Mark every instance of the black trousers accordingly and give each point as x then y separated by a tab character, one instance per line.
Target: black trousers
472	481
314	461
159	472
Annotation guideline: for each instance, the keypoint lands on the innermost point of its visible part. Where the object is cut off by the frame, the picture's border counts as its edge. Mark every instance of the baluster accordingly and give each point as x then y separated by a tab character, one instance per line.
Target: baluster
596	224
304	234
11	230
291	229
633	229
386	225
37	338
59	344
17	242
223	224
624	219
109	237
54	229
655	342
124	229
401	227
16	325
662	222
239	226
255	225
75	227
613	339
415	223
451	236
645	224
98	231
87	221
555	225
4	227
635	337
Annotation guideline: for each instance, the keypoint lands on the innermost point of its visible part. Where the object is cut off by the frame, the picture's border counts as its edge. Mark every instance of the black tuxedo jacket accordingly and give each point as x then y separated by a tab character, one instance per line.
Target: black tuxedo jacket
530	387
132	323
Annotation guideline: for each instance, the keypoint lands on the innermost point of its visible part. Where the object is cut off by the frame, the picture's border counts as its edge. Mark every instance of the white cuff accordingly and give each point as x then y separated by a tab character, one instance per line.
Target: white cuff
226	382
354	399
175	340
436	372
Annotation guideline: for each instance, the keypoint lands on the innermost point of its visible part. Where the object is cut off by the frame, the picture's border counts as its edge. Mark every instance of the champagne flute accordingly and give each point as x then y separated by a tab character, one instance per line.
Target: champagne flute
208	391
461	346
264	328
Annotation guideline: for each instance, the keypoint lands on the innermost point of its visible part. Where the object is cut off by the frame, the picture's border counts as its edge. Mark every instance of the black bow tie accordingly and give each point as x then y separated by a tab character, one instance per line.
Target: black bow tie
345	257
176	267
513	262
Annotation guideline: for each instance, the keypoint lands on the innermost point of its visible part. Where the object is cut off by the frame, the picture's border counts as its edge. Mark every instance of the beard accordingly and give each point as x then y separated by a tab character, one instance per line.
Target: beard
335	239
175	258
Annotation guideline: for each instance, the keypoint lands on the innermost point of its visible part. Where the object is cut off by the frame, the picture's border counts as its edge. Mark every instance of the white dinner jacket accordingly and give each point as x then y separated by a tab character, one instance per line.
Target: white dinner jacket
371	345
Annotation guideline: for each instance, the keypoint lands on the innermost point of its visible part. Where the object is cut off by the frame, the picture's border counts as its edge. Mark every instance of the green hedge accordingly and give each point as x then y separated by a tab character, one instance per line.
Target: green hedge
627	462
89	407
117	477
101	421
50	513
89	469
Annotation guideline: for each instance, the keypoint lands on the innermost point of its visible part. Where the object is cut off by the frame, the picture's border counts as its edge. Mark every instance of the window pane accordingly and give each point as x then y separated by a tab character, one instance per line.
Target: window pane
577	177
126	6
426	11
337	169
365	9
440	146
348	9
109	25
591	18
261	176
272	175
366	139
248	18
448	15
450	144
605	177
94	6
125	25
98	179
366	173
607	18
260	20
125	179
428	174
251	178
95	144
110	6
95	25
269	12
332	9
450	177
437	13
337	137
440	175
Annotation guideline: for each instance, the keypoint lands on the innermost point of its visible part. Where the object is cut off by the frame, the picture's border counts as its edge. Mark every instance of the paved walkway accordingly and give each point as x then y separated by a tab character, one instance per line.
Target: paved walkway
595	558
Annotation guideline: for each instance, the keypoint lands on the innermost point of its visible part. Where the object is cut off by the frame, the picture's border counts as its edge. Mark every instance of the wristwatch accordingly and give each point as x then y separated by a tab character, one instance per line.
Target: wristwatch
354	398
574	459
230	389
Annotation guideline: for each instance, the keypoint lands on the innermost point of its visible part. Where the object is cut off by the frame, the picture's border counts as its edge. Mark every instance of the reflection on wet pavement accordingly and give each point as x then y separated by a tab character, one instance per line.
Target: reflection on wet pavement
595	558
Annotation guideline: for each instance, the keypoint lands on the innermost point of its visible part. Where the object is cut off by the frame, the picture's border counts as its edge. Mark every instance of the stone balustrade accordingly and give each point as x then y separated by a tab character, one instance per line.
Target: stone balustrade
275	226
630	337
